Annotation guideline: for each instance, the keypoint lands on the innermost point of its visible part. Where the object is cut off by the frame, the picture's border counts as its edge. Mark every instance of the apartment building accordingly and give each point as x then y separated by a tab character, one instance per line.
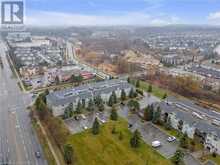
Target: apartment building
59	100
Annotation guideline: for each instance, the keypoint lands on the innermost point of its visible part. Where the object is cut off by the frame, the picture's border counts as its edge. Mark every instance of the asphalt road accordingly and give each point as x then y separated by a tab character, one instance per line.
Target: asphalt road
18	142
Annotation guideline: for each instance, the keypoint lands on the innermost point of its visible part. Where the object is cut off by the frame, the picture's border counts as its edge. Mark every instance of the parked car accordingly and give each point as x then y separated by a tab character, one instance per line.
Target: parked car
103	121
83	117
130	125
156	144
76	118
171	138
85	127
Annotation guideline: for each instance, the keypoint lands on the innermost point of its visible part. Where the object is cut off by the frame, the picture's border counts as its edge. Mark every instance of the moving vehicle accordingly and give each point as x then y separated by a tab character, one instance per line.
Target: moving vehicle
37	154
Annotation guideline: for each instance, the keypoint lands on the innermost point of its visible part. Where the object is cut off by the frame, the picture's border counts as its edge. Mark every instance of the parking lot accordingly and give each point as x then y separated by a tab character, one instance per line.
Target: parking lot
150	133
82	123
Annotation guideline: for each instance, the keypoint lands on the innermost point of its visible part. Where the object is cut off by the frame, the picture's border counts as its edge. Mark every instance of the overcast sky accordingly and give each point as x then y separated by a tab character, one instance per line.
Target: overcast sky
122	12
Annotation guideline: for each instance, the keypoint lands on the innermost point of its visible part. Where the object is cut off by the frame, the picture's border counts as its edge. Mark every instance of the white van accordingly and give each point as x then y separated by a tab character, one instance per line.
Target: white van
156	144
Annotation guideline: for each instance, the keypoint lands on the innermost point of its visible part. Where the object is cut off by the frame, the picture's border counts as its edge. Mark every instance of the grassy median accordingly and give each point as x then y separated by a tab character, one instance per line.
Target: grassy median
107	149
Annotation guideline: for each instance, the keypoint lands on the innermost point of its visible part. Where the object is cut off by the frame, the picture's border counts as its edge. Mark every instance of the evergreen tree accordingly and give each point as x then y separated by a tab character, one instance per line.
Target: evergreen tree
180	125
131	93
114	115
138	84
164	96
95	127
149	90
114	96
70	107
90	107
123	95
66	113
57	80
178	157
156	116
101	107
151	113
134	105
41	108
128	80
111	101
79	107
68	153
114	130
168	124
184	142
98	100
146	113
136	139
83	103
120	136
46	92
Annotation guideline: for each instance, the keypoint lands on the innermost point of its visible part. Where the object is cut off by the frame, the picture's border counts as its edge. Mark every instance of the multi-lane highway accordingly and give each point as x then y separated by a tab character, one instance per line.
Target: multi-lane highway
18	142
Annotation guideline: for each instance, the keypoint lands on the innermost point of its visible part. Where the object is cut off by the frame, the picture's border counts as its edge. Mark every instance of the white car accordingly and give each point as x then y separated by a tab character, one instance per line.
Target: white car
85	127
171	138
103	121
83	117
156	144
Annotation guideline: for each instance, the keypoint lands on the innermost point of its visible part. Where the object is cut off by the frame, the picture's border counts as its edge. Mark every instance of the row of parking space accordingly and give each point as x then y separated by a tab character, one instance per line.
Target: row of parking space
150	133
83	122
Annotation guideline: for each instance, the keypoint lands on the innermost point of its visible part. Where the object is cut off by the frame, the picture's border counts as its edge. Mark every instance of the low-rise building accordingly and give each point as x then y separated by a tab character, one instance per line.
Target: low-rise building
59	100
205	71
172	59
195	125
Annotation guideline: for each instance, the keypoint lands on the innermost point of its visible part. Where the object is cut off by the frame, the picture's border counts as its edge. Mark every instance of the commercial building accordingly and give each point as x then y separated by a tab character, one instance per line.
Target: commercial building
59	100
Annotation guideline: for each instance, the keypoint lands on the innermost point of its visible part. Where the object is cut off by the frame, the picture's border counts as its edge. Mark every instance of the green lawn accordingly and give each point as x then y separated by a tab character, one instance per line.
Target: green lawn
107	149
156	91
